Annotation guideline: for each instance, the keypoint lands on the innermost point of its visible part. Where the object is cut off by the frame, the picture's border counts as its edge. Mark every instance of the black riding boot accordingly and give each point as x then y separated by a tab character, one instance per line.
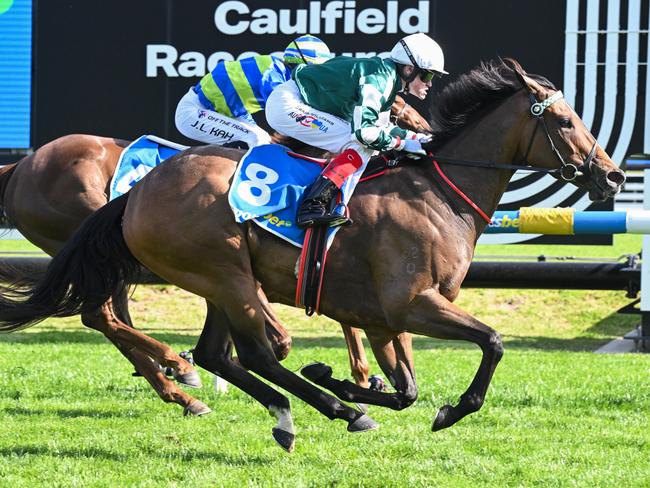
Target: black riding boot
317	203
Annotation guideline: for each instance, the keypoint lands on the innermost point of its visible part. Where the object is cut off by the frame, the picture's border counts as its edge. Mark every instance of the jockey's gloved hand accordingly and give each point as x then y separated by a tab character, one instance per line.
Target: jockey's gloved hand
413	146
423	137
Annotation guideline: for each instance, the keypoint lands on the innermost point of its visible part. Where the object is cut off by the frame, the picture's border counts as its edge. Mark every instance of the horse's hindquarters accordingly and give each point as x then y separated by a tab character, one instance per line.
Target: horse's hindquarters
179	225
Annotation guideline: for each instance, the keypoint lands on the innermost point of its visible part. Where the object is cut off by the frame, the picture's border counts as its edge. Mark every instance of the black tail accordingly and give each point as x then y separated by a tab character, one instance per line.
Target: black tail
94	265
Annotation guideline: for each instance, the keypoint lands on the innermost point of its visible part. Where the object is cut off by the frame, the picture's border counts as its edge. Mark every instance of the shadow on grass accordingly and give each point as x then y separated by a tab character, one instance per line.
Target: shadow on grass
94	452
518	342
66	413
80	453
610	327
87	337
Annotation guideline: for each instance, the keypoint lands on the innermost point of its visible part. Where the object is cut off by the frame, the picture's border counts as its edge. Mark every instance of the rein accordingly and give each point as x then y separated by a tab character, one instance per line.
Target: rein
460	193
487	164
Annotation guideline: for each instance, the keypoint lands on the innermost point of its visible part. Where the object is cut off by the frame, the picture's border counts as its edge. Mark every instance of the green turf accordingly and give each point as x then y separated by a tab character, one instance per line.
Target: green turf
556	414
12	246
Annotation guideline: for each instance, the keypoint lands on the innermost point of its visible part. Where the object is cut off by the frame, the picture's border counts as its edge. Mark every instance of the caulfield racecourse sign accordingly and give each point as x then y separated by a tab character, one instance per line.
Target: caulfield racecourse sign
335	17
235	18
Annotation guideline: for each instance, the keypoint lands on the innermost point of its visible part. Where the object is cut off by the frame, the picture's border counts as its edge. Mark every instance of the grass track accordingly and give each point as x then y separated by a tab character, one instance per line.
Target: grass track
556	414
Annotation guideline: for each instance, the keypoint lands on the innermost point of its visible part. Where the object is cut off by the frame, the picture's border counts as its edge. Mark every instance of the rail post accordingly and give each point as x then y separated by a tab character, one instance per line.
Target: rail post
644	327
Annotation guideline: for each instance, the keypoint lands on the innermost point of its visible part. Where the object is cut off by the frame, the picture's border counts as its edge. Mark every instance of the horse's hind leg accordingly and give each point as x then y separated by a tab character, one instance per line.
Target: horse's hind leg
104	321
161	353
214	353
121	306
276	334
357	355
108	323
431	314
166	389
394	355
254	352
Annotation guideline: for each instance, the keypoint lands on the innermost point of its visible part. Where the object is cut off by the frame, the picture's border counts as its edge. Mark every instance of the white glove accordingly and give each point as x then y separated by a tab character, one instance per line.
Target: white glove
413	146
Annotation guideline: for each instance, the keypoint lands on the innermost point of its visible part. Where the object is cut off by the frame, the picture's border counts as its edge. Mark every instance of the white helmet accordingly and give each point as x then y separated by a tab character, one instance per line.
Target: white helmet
421	51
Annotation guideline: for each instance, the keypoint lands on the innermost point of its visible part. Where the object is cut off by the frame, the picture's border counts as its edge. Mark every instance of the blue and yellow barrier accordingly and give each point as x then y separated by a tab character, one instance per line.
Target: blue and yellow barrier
567	221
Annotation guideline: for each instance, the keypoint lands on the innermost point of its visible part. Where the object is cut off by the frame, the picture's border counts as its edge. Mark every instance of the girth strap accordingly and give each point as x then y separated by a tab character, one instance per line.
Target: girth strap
311	269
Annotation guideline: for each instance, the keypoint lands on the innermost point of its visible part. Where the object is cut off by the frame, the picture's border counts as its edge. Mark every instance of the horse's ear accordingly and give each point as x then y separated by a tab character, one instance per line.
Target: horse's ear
514	65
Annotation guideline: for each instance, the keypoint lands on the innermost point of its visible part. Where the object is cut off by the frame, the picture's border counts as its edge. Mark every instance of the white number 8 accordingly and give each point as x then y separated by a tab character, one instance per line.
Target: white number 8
244	189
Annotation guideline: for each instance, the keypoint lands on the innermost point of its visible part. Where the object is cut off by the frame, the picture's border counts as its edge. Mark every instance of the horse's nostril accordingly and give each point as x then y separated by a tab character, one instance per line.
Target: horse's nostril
616	177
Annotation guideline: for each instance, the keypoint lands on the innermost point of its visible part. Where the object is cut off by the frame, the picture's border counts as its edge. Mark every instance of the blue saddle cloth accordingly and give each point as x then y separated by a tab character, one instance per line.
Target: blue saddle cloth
140	157
267	187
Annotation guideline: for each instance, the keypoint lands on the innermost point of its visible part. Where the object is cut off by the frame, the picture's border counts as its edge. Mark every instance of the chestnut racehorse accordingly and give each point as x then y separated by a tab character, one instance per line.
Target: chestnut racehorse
397	270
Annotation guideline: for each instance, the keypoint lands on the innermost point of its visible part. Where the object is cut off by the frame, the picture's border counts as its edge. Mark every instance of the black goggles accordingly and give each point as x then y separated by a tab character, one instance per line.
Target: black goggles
427	76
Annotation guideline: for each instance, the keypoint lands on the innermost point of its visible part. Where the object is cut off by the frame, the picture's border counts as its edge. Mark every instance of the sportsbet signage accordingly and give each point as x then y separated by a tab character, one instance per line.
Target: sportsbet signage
236	20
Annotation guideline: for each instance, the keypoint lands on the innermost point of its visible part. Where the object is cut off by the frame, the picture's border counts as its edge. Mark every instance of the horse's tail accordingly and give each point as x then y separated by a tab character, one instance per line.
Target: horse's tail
94	265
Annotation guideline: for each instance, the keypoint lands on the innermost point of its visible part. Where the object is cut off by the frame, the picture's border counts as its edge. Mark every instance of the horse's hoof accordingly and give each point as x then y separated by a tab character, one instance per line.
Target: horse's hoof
315	371
191	379
197	408
286	439
376	383
444	418
362	423
363	408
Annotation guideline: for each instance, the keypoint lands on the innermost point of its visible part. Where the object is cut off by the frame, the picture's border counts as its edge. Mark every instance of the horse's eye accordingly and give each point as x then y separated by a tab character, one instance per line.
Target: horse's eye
565	123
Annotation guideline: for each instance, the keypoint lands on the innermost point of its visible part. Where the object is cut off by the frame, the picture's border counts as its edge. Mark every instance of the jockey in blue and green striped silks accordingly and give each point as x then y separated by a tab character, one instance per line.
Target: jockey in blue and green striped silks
219	109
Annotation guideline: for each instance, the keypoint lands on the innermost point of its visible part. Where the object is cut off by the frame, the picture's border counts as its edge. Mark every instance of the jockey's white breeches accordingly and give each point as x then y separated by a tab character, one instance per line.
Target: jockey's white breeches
195	121
288	114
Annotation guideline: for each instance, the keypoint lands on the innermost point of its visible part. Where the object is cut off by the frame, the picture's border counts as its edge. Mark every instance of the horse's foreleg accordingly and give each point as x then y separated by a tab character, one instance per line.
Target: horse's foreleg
433	315
356	353
394	355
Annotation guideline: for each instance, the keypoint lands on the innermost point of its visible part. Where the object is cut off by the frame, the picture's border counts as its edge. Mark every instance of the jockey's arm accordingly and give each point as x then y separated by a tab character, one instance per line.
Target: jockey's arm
366	119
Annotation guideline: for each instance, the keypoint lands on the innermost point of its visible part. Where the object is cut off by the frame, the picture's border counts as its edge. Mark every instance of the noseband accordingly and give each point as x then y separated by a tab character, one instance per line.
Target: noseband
568	171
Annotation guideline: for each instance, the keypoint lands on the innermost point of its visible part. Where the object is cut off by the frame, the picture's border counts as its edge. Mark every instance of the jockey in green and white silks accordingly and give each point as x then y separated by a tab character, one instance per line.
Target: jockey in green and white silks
343	106
219	108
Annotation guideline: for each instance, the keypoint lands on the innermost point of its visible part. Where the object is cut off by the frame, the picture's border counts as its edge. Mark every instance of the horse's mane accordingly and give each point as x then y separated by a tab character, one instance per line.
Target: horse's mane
484	85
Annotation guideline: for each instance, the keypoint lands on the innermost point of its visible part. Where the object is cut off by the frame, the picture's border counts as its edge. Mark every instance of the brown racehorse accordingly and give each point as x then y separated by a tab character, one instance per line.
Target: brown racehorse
48	194
397	270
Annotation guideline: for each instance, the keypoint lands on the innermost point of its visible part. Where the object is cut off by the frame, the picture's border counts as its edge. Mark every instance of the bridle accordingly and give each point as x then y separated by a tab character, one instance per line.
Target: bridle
568	171
399	114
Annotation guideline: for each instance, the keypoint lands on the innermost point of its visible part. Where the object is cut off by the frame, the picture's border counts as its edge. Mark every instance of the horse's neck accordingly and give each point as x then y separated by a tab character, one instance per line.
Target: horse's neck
494	138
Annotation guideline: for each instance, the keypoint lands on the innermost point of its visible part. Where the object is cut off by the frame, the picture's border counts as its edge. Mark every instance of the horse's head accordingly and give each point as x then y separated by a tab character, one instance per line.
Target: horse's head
554	136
